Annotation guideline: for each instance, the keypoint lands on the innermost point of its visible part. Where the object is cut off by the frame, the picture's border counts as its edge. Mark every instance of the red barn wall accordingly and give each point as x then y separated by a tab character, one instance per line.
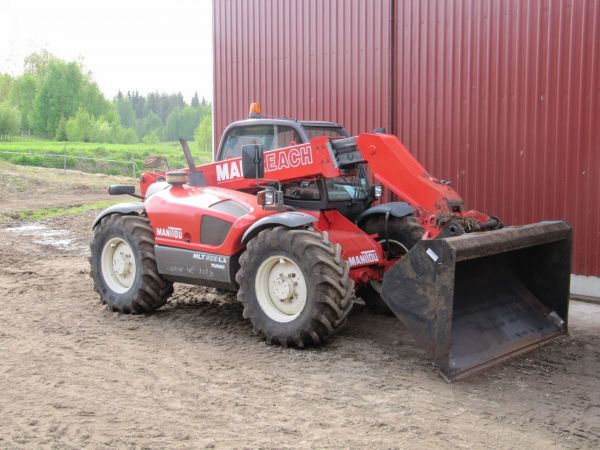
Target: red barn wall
500	97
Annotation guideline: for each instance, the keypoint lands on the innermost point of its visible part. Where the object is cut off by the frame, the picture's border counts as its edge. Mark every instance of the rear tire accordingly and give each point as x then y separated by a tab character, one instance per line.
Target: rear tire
295	286
123	265
403	234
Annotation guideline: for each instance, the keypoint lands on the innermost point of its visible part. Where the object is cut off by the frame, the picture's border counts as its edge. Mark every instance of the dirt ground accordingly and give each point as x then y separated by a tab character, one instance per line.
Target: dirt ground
74	374
34	188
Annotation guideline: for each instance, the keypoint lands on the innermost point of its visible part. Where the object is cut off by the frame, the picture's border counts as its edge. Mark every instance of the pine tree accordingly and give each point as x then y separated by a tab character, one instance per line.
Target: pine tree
195	101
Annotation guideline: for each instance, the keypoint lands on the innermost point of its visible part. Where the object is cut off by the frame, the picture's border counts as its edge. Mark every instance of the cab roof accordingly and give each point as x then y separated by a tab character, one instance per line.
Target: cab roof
282	121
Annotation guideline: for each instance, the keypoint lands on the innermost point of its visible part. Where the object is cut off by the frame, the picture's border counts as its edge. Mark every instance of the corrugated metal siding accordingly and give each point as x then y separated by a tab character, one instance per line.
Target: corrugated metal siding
306	59
500	97
503	99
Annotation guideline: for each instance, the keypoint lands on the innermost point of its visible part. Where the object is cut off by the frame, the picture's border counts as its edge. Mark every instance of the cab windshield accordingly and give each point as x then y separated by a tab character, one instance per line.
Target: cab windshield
354	187
351	187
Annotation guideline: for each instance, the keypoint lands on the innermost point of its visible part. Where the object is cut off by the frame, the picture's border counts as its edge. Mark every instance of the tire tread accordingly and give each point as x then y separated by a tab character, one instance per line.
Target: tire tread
154	290
329	276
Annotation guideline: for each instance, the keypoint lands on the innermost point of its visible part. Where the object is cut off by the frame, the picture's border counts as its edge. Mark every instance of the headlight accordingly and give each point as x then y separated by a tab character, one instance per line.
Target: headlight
270	198
377	190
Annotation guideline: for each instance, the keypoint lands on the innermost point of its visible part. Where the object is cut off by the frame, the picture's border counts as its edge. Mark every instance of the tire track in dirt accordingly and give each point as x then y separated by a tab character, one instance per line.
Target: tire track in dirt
74	374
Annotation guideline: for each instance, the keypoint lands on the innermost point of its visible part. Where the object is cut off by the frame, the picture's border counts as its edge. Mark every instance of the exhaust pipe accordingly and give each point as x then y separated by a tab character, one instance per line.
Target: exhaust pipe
478	299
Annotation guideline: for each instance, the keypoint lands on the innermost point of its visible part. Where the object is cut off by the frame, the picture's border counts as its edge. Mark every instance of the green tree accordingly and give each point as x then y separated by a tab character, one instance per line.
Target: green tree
126	113
22	96
148	124
151	138
6	82
162	104
182	122
195	101
61	130
58	96
101	131
60	100
203	134
10	120
93	101
37	63
138	103
124	135
173	125
80	127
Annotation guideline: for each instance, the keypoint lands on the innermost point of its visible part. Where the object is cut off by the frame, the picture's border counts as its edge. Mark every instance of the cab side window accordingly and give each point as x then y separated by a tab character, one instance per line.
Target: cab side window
240	136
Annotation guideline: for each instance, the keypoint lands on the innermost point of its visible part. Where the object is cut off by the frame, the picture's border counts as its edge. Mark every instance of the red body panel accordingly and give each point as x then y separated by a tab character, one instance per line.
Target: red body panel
179	209
395	168
362	252
176	213
405	176
286	164
182	208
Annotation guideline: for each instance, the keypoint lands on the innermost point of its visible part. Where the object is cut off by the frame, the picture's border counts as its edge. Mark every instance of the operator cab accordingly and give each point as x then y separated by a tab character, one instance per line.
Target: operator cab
348	194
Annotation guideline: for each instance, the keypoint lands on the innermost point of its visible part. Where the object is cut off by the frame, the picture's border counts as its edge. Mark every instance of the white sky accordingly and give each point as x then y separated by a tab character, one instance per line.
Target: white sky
147	45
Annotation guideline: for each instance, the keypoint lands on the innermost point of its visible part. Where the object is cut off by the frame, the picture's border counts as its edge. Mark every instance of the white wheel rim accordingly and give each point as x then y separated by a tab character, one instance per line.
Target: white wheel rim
280	288
118	265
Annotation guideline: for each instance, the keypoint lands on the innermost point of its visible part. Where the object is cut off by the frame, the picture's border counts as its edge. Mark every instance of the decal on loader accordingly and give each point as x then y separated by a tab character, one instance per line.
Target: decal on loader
287	158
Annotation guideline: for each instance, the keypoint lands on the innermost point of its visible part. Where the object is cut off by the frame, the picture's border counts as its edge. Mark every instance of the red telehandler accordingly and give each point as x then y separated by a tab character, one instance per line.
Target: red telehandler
287	217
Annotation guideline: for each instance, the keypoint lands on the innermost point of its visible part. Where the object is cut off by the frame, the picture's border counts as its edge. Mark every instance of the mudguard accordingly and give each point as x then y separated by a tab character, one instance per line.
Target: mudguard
290	219
120	208
395	209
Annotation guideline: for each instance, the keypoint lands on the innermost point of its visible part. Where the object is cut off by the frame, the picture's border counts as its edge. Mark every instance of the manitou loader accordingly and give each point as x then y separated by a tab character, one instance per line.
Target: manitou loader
286	216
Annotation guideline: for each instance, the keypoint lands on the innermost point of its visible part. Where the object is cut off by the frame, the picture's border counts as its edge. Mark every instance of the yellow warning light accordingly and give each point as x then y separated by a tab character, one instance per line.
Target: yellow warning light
254	110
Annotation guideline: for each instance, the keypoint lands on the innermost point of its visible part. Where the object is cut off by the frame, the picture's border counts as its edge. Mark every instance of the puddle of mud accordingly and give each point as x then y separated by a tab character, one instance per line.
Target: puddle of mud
26	228
43	235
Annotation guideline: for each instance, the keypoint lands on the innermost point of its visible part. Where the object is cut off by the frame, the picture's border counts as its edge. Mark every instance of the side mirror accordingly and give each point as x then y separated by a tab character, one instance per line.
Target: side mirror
253	165
121	189
154	162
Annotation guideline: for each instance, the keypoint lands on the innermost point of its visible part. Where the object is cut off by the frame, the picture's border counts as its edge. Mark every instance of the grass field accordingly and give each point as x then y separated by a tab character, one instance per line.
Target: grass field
117	152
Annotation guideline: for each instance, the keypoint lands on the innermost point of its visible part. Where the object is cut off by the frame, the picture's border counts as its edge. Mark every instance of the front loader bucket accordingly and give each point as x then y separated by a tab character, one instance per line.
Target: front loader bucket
480	298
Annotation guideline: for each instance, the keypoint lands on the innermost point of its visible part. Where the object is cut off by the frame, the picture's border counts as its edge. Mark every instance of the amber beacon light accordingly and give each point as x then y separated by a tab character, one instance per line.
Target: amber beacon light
254	110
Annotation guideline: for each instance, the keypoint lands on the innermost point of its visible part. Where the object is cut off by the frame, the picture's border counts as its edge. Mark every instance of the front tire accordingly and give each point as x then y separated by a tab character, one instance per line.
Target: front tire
295	286
123	265
402	234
